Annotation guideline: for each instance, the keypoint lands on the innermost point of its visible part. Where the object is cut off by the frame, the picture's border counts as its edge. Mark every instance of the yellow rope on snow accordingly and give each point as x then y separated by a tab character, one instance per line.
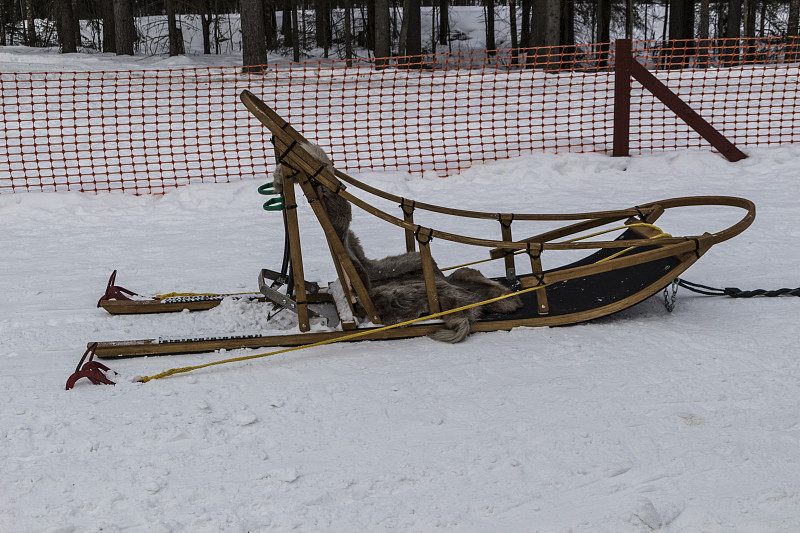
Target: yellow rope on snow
367	332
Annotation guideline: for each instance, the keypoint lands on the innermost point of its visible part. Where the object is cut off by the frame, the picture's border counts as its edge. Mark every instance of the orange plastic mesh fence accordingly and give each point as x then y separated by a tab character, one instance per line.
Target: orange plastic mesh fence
148	131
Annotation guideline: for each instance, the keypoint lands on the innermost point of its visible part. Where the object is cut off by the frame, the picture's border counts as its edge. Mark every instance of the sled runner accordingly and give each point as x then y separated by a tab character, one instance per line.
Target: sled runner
616	274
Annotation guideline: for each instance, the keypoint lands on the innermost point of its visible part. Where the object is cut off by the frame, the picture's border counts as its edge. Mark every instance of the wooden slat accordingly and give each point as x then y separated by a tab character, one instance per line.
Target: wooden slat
293	229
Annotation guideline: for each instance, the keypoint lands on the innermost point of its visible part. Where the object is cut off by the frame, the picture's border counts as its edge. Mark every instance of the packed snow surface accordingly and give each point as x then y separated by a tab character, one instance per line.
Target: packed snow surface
645	420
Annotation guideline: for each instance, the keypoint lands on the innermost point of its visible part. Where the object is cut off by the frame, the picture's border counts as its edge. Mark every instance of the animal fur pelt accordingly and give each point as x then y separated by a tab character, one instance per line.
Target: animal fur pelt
396	284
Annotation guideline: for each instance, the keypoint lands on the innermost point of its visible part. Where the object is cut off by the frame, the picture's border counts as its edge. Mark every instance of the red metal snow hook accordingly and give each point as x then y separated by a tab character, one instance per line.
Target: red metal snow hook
113	292
92	370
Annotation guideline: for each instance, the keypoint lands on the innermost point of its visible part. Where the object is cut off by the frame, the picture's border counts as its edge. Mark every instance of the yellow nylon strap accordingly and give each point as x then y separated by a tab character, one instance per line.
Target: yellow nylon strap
365	333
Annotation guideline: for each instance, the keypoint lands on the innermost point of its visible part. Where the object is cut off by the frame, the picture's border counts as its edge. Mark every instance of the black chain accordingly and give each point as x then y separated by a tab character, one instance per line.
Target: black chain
735	292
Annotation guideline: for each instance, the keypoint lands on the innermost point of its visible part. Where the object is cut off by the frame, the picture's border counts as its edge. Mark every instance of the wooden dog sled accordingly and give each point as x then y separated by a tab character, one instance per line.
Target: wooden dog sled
616	274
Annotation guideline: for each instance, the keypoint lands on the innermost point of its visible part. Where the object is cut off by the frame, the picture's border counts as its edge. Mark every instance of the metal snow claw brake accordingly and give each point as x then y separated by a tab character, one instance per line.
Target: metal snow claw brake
276	296
91	370
320	313
113	292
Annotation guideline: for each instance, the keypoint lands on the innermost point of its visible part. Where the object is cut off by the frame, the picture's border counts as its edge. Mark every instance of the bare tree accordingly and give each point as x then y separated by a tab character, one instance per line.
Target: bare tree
254	46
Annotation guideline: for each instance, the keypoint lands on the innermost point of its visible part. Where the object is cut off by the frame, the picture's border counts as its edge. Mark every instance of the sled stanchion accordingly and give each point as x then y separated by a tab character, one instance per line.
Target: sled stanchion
408	207
505	230
295	252
534	252
423	236
92	370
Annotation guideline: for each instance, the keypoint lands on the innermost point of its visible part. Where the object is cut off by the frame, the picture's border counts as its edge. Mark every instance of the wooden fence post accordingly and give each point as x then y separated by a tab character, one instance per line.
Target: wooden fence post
622	97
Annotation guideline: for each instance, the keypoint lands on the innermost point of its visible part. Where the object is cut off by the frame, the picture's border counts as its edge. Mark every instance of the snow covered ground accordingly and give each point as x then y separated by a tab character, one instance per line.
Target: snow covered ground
646	420
682	422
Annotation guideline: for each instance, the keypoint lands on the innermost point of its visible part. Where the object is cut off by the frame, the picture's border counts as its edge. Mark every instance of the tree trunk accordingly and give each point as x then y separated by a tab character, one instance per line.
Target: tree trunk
66	27
205	22
491	44
30	28
125	31
749	24
733	31
383	48
603	30
703	45
681	28
794	18
4	19
270	24
567	34
792	31
321	17
525	30
254	49
348	30
286	23
369	25
175	34
412	20
629	19
512	21
295	32
552	34
444	22
109	27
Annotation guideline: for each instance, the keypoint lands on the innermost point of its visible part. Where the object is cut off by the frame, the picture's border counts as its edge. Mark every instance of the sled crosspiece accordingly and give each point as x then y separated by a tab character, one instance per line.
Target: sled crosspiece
640	261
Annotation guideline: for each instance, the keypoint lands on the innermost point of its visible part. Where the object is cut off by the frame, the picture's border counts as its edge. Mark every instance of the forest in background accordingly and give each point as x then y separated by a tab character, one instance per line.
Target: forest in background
345	29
